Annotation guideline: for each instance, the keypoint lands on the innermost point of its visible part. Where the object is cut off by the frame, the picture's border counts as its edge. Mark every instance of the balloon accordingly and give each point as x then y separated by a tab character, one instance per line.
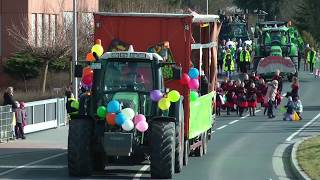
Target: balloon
193	73
127	125
185	79
193	84
87	71
75	104
164	104
142	126
90	57
120	119
111	119
138	118
87	80
98	49
98	41
193	95
174	96
128	113
156	95
101	112
113	106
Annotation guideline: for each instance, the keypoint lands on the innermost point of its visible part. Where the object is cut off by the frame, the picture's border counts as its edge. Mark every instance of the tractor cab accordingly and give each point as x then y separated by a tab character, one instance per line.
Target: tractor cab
275	41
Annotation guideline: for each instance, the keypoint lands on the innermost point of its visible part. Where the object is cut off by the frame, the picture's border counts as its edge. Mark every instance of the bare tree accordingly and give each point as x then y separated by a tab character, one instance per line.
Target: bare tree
51	47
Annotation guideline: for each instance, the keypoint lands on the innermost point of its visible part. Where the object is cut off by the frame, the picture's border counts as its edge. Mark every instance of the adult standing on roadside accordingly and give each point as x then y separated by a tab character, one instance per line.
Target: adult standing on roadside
271	97
311	59
8	98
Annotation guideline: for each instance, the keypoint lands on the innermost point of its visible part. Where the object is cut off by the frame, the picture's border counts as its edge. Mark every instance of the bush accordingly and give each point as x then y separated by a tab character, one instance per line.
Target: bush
23	66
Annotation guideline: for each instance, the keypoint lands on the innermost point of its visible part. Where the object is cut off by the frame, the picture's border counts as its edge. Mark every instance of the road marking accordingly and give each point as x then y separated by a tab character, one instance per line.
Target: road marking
302	128
138	175
245	116
232	122
31	163
284	94
222	127
36	167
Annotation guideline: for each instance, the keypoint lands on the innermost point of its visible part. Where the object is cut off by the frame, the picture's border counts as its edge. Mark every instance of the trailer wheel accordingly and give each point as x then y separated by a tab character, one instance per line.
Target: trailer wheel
205	143
199	150
179	141
162	149
186	152
79	147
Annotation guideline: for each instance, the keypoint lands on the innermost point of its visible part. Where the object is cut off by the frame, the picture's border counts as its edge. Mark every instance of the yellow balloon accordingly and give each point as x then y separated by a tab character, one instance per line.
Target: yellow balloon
98	49
174	96
164	104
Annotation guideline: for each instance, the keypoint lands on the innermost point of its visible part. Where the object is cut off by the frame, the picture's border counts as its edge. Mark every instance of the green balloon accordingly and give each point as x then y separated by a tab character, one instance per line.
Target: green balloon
102	112
75	104
193	95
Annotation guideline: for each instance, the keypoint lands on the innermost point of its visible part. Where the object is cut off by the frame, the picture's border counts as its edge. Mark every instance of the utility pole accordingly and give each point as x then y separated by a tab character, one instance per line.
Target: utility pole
207	6
74	49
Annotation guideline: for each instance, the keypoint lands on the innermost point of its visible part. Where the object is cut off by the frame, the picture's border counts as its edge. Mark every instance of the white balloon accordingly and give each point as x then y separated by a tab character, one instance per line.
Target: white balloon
128	113
127	125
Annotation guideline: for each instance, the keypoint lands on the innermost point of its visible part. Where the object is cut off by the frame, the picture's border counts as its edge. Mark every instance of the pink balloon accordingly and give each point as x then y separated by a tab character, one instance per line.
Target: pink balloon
185	79
142	126
138	118
193	84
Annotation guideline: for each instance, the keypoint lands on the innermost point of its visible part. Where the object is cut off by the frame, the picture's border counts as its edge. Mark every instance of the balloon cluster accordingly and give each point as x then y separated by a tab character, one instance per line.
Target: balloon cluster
97	48
192	81
126	118
164	101
87	77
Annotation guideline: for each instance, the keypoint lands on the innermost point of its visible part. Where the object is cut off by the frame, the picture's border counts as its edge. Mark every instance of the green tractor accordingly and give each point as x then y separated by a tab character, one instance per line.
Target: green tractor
275	49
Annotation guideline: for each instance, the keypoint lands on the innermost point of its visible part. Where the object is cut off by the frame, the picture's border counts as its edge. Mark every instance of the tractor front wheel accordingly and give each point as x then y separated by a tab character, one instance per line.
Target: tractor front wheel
162	150
79	147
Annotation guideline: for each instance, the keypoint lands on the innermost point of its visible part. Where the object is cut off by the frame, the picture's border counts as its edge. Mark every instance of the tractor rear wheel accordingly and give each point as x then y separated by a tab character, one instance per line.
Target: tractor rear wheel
79	147
162	150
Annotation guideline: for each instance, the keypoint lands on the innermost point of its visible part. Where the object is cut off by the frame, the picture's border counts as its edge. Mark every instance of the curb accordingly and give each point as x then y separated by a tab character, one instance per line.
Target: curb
296	169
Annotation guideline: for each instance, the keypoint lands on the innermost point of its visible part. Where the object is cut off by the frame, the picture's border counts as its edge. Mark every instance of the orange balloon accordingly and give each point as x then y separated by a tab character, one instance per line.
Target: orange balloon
90	57
98	41
111	119
87	71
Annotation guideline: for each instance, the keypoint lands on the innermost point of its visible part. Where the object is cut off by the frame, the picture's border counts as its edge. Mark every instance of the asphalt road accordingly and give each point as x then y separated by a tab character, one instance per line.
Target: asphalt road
243	148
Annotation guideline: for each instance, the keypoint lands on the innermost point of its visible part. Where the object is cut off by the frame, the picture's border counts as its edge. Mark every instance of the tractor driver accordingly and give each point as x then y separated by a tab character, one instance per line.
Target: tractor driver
133	77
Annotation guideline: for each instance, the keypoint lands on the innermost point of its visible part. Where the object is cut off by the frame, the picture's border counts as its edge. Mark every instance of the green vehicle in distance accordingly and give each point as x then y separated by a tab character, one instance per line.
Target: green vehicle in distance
275	49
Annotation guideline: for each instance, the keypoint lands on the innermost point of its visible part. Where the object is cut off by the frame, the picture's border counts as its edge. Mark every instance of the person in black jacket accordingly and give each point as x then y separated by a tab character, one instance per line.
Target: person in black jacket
8	98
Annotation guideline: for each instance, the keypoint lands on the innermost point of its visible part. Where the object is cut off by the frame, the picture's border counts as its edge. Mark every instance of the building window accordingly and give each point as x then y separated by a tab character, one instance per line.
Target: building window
33	29
39	30
67	20
53	19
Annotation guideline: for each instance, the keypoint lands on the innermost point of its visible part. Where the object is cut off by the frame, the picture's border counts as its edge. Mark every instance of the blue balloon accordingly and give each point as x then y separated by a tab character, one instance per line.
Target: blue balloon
193	73
120	119
113	106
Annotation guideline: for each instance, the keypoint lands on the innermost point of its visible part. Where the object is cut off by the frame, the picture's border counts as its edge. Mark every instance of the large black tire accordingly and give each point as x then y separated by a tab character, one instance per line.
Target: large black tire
179	139
98	157
79	147
162	150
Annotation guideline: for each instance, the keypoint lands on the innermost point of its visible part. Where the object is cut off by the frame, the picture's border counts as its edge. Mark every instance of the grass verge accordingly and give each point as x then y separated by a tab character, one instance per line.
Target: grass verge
308	156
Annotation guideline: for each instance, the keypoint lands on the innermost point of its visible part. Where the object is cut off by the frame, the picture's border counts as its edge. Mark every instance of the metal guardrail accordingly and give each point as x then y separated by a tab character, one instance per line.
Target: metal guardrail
6	127
41	115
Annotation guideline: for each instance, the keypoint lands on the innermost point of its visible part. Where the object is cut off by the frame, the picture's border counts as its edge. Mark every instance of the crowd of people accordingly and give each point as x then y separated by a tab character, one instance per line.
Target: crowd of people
246	95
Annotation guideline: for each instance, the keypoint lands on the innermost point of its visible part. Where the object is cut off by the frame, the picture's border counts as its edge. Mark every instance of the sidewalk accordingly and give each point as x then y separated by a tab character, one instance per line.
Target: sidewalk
49	139
308	132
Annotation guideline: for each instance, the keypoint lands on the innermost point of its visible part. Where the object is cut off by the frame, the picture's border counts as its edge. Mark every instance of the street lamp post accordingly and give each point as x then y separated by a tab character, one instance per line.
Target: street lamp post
74	49
207	6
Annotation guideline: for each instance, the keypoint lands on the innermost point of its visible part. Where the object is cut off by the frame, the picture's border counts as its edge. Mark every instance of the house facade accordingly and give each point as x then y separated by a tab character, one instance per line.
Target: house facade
42	16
